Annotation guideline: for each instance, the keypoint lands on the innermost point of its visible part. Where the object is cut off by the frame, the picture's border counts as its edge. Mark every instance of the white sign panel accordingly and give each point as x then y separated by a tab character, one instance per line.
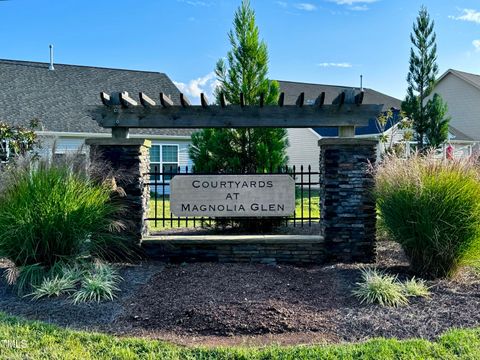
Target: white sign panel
232	195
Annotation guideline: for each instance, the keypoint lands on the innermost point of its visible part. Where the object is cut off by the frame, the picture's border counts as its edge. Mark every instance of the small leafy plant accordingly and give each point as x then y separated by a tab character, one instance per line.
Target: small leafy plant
416	288
54	287
83	282
101	283
381	288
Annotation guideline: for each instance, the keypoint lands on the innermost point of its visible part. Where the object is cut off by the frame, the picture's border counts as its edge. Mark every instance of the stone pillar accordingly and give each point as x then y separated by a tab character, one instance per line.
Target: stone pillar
130	159
348	213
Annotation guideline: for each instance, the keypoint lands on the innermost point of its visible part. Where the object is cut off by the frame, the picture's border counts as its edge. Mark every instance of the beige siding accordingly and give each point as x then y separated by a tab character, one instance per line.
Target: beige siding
303	148
463	102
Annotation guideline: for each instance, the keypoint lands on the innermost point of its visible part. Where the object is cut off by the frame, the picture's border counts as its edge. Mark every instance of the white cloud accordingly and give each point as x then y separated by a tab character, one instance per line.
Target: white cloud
468	15
333	64
205	84
306	6
476	44
282	4
353	2
355	5
359	8
195	2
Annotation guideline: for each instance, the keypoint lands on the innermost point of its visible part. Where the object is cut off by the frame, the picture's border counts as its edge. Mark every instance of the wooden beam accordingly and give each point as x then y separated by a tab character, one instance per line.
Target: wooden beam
262	99
145	100
184	101
340	99
234	116
165	101
126	100
203	100
242	100
320	100
300	99
359	98
281	99
223	101
105	98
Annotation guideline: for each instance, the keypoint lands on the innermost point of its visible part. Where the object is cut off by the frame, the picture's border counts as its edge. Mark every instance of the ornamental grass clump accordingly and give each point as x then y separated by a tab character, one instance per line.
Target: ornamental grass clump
53	214
378	287
432	208
416	288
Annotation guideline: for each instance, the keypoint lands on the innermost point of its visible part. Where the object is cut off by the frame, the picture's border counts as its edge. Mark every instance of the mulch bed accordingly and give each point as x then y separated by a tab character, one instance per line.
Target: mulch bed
256	304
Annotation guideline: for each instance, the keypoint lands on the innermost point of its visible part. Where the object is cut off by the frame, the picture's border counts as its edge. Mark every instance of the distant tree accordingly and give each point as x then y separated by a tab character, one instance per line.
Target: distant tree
421	81
16	140
387	121
437	130
243	72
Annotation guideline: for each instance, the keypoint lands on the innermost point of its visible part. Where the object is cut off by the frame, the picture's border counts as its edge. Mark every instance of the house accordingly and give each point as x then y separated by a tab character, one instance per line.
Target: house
461	92
304	147
60	100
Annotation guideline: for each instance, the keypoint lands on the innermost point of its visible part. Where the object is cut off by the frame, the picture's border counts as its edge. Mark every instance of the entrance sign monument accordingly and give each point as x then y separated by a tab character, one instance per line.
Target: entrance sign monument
232	195
347	206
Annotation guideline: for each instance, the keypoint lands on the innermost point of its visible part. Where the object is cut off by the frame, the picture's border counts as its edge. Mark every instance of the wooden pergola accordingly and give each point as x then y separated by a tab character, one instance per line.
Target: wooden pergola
121	112
348	211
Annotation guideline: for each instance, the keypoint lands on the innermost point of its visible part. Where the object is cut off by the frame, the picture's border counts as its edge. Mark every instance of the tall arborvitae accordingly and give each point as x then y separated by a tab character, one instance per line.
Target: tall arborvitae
421	81
243	72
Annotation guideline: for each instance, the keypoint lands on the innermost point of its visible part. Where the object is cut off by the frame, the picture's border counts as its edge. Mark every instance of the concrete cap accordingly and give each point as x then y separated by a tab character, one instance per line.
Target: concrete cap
348	141
118	142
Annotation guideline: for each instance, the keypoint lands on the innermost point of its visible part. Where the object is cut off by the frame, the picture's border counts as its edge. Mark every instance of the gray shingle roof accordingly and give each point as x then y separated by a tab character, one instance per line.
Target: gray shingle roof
473	79
60	99
293	89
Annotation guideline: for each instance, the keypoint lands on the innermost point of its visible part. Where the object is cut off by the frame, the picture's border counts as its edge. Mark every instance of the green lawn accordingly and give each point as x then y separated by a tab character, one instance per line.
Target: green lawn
20	339
315	211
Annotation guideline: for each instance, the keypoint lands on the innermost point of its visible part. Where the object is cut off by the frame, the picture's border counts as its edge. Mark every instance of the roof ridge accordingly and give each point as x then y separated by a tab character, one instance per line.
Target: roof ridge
81	66
317	84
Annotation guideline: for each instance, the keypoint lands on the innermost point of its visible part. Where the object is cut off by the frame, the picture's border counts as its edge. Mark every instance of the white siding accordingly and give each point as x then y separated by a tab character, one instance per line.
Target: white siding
463	102
303	148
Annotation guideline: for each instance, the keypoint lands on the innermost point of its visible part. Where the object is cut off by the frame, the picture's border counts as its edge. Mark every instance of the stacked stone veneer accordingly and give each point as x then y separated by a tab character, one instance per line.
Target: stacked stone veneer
348	216
279	249
130	162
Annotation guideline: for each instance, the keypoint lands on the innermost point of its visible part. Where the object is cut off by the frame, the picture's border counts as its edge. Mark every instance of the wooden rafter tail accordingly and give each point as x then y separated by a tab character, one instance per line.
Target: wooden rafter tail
320	101
340	99
359	98
223	101
126	100
105	98
165	101
145	100
184	101
281	99
300	100
262	99
203	100
242	100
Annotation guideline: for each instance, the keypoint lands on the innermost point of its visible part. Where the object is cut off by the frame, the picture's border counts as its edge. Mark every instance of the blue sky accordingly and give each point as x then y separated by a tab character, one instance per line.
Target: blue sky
319	41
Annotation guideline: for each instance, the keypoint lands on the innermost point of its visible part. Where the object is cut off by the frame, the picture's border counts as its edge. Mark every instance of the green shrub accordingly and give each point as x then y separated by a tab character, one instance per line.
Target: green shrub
378	287
99	284
416	288
432	208
55	286
51	215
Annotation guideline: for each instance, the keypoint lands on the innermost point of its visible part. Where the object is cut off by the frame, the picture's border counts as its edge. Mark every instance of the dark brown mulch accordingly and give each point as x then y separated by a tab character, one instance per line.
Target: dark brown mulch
234	303
233	299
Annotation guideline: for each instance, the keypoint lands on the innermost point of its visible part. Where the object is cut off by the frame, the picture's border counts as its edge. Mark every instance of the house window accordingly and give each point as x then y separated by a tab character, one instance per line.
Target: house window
164	159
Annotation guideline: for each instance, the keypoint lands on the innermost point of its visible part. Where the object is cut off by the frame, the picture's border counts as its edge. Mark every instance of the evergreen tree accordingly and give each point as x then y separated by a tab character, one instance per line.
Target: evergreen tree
244	71
437	130
421	80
